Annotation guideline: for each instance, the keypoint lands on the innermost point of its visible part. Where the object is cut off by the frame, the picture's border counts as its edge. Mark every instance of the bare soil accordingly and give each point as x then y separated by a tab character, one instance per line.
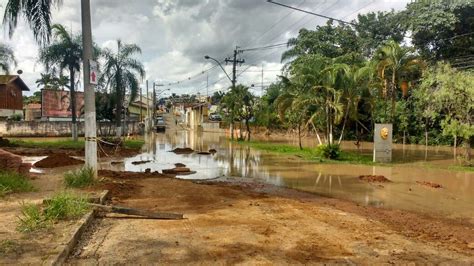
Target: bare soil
104	152
57	160
374	178
253	223
429	184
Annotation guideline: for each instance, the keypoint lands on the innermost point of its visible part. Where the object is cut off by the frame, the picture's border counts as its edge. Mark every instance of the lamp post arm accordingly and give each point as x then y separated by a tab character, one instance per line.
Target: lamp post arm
222	68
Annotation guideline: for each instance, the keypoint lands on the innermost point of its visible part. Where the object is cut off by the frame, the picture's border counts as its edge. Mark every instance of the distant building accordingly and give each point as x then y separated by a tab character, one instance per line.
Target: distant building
139	107
196	115
32	112
11	95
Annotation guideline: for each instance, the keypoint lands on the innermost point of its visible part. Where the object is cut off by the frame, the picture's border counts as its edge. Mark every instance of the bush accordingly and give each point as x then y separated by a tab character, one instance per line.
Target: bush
61	207
15	117
13	182
329	151
80	178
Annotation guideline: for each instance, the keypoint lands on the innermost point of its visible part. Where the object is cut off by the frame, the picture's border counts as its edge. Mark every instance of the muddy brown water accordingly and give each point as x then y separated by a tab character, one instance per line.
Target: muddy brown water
454	200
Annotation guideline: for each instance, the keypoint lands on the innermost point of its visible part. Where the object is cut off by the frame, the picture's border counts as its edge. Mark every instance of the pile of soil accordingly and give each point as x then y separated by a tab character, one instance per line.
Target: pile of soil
374	178
179	165
183	150
178	171
204	153
122	190
429	184
131	175
141	162
212	151
12	162
57	160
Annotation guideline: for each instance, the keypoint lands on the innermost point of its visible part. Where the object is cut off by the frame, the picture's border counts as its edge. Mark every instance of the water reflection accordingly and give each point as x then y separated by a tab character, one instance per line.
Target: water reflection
333	180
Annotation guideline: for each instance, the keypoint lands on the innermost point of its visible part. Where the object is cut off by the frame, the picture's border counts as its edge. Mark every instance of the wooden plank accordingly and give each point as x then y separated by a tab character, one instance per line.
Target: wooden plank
138	212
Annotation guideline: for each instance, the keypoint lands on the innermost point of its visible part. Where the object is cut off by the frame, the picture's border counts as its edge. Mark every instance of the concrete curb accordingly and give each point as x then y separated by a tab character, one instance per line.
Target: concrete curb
61	252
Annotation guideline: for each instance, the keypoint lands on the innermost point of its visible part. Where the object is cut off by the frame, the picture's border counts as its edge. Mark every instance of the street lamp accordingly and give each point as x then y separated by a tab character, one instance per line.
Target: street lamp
215	60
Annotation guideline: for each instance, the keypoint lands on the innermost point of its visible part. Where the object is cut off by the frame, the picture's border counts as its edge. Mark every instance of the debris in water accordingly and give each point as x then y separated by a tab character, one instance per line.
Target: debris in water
212	151
374	178
429	184
141	162
179	165
204	153
148	170
57	160
131	175
183	150
117	162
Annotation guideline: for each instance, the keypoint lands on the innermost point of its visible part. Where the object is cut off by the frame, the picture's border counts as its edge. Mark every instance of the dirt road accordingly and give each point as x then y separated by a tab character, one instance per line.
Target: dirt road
253	223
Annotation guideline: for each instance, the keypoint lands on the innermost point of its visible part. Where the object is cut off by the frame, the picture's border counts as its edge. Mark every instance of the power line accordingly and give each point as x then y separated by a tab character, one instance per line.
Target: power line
311	13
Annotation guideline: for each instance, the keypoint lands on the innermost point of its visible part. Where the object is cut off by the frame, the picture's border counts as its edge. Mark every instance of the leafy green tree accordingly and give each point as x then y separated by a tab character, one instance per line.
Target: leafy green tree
441	30
266	113
376	28
65	52
46	81
36	13
62	82
328	40
453	93
122	73
7	58
216	97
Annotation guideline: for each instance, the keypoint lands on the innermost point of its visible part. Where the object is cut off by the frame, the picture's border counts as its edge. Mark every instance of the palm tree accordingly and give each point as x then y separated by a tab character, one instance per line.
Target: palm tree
121	72
399	63
37	14
66	53
7	58
46	81
62	82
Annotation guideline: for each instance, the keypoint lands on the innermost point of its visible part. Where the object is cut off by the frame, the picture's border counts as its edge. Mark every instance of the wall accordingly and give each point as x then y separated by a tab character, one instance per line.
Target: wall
11	97
57	128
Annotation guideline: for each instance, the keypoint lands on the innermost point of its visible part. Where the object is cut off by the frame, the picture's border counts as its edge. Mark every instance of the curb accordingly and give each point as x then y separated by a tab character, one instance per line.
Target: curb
61	252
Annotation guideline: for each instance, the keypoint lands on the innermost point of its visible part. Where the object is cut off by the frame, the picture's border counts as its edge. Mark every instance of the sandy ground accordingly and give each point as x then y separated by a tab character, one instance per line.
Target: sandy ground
235	222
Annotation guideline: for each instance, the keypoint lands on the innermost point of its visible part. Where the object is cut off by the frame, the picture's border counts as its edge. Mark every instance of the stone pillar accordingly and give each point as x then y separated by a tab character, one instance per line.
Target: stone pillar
383	143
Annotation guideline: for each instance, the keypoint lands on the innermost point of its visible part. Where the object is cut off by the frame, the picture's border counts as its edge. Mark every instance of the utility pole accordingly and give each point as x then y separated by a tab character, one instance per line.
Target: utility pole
89	93
262	79
141	104
234	62
207	86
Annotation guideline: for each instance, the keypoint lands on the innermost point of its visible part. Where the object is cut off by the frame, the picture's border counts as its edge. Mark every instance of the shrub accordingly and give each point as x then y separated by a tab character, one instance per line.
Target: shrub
13	182
80	178
15	117
329	151
62	206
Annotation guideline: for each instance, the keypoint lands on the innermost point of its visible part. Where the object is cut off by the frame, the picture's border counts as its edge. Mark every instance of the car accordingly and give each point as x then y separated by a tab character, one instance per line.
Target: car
160	125
215	117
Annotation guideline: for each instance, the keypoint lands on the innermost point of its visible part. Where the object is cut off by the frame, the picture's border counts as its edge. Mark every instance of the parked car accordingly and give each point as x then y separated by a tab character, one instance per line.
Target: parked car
215	117
160	125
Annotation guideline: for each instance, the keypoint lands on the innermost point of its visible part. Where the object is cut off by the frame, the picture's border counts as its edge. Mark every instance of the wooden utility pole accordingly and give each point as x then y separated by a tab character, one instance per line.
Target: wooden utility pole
234	62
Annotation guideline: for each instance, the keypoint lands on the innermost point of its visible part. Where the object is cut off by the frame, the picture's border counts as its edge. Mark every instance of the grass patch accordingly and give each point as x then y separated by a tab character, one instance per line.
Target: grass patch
83	177
12	182
63	206
66	144
311	154
8	246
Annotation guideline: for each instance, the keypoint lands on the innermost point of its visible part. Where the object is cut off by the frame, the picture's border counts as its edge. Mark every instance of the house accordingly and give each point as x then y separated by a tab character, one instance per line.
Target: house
196	114
33	112
11	95
138	109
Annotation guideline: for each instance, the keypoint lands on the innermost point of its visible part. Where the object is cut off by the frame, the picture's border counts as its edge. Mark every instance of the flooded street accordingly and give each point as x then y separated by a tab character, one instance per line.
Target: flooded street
453	200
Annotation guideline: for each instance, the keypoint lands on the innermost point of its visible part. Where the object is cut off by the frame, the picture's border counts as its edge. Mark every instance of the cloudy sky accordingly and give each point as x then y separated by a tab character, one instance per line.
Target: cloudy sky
176	34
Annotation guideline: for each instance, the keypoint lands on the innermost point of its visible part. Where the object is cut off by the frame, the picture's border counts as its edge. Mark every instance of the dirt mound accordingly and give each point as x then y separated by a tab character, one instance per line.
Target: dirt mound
141	162
179	165
374	178
183	150
429	184
178	171
122	190
204	153
57	160
12	162
212	151
131	175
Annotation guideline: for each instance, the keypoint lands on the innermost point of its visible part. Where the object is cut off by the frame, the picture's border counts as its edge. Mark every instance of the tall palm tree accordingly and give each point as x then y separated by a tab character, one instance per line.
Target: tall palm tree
7	58
121	72
65	52
62	82
37	14
46	81
399	63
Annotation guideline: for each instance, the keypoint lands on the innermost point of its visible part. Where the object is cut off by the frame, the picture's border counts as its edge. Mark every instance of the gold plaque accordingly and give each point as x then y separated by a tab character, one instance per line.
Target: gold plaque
384	133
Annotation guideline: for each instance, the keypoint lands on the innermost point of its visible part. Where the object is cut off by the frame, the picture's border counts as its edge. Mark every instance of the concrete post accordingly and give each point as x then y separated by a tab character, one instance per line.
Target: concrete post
89	93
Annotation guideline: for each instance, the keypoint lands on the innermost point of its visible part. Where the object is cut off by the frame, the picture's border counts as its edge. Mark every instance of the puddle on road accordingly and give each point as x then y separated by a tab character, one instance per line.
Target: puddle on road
454	200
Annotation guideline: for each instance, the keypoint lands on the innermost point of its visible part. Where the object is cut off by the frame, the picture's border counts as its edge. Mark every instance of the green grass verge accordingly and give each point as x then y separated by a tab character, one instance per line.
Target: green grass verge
80	178
63	206
12	182
67	144
311	154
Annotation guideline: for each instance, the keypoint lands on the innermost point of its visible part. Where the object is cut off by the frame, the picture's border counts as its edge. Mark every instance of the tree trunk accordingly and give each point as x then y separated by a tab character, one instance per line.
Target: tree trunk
73	104
248	129
467	149
393	94
455	145
118	106
344	125
299	136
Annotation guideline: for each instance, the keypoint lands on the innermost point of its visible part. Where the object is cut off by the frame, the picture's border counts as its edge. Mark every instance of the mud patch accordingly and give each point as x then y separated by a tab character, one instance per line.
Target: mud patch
212	151
179	165
132	175
183	150
141	162
57	160
123	190
429	184
178	171
204	153
374	178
